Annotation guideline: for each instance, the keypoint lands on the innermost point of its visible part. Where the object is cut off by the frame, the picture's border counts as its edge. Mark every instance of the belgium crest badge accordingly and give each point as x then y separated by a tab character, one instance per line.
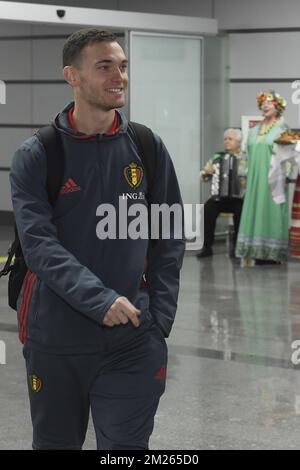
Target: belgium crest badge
133	175
36	383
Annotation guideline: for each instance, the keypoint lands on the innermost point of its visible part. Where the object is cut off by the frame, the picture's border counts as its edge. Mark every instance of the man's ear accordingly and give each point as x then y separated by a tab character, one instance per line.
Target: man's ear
70	75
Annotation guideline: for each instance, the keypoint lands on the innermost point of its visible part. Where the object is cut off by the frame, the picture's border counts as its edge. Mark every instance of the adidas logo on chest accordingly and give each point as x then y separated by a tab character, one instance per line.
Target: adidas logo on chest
70	187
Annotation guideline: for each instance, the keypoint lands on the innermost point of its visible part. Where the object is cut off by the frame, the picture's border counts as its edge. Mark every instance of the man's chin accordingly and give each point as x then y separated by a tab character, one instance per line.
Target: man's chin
119	105
116	104
108	106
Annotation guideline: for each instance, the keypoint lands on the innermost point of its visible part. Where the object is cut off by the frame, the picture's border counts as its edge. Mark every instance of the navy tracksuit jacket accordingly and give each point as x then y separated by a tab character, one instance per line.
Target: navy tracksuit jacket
74	277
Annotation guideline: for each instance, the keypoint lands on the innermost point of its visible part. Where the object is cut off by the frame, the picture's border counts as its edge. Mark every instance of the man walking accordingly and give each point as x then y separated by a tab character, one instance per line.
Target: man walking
92	327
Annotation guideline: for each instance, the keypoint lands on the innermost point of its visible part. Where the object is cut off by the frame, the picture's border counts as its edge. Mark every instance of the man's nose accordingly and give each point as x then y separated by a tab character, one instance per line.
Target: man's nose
117	73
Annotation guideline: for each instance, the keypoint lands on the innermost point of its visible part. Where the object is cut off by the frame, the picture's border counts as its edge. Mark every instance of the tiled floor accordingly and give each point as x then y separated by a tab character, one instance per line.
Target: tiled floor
231	381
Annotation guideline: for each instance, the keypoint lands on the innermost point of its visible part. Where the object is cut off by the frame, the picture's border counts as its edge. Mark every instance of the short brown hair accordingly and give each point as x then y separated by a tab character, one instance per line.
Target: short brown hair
78	40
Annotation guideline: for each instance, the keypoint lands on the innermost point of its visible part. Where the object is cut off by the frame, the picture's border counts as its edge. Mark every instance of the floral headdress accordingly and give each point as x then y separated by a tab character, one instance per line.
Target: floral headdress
278	101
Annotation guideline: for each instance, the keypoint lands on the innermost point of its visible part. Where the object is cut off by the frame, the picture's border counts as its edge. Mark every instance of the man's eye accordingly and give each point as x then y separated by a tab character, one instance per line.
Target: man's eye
123	68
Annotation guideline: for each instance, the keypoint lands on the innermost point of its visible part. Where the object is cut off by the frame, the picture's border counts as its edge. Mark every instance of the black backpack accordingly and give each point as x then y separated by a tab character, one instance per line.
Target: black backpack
15	265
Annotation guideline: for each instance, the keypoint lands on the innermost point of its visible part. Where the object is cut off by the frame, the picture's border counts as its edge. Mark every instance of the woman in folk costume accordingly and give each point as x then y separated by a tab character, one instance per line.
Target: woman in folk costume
263	232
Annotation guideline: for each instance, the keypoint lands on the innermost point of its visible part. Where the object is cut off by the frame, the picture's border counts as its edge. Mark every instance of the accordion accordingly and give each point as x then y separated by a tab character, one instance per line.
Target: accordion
225	179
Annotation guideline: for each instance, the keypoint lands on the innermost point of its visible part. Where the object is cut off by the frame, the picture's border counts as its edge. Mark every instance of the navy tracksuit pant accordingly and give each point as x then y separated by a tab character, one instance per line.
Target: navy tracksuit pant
121	387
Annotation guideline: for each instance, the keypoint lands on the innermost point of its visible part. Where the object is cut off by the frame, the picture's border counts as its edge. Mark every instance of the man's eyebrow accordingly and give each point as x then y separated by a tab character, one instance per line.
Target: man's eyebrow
109	61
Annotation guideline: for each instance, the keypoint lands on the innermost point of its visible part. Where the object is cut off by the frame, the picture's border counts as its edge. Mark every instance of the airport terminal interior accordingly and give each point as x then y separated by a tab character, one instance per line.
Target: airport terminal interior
233	379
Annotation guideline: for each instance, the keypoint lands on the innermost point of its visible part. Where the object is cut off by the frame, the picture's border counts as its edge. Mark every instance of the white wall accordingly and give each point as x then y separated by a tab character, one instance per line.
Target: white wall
27	104
262	61
243	14
265	58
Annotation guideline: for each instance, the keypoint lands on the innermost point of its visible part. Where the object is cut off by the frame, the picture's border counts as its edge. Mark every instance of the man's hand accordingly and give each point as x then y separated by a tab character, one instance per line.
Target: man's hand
209	169
120	312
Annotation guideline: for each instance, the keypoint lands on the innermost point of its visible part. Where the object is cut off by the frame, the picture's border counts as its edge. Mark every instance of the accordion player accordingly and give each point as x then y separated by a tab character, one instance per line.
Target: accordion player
225	181
227	173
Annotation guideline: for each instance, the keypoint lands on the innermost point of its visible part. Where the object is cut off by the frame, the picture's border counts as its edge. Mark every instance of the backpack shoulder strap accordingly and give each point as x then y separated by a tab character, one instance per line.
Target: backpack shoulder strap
147	151
52	143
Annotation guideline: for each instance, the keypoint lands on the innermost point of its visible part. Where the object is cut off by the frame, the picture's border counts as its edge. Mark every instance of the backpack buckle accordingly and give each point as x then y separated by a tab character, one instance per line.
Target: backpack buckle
8	266
6	271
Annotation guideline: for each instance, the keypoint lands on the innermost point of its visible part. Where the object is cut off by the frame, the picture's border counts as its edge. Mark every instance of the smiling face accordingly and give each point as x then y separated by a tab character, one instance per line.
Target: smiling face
269	110
100	78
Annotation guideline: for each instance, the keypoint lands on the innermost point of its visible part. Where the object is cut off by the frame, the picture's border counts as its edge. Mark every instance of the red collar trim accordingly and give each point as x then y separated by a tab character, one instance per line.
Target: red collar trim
114	129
